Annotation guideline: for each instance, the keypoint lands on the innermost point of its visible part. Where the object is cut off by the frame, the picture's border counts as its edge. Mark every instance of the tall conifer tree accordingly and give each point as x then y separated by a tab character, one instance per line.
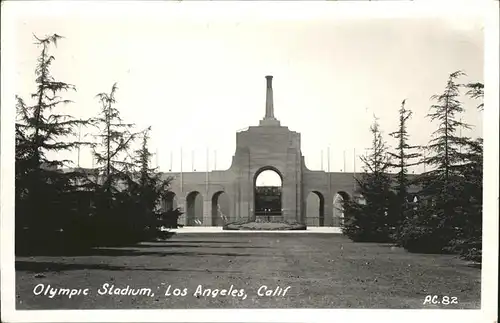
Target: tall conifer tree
445	147
43	192
372	220
402	158
439	219
151	190
114	161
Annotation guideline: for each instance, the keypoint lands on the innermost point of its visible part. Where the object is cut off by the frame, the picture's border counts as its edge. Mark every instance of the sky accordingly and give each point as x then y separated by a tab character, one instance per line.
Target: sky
197	78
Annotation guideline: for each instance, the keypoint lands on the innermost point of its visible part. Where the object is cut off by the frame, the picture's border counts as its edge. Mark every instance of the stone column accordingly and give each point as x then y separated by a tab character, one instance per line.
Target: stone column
246	197
328	210
181	203
291	206
269	119
299	192
269	98
207	211
242	183
232	205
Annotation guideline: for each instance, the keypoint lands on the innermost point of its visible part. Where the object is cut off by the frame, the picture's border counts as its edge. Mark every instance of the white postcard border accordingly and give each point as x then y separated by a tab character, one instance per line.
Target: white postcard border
257	10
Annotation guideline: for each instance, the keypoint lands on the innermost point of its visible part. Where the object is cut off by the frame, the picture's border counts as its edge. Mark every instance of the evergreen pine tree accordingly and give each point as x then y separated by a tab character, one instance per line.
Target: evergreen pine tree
45	195
470	242
476	91
115	171
402	158
151	190
436	222
374	219
112	153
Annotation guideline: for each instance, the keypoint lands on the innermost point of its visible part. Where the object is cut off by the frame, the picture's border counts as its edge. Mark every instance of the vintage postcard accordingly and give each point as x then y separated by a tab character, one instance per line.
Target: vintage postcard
253	161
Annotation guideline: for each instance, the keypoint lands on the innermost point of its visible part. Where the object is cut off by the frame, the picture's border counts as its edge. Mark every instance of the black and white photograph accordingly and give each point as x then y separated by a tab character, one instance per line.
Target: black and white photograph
263	161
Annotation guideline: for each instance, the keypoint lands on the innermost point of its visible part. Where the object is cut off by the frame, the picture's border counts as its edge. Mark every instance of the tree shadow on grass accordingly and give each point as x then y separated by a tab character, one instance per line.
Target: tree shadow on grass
126	249
193	241
39	267
475	265
126	252
147	245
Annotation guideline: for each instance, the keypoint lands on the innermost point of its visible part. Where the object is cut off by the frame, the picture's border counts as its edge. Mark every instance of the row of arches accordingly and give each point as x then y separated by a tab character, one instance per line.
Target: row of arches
267	185
315	211
220	208
194	208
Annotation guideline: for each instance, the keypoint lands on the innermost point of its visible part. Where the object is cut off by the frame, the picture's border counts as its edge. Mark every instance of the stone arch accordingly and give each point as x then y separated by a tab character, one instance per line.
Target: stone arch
194	209
170	201
338	211
268	200
267	168
220	208
315	209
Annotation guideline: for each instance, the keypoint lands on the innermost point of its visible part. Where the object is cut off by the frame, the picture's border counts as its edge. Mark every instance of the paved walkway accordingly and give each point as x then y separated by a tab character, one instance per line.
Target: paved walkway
219	230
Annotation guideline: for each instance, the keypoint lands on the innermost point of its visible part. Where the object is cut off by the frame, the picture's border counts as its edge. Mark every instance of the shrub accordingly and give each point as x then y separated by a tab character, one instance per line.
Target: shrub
169	219
262	225
361	225
426	231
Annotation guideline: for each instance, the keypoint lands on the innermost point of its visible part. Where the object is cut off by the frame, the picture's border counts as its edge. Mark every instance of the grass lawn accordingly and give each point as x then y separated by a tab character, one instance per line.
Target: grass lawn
322	271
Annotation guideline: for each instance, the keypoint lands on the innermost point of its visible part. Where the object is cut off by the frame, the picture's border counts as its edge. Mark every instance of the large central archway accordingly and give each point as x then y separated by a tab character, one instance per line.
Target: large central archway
268	194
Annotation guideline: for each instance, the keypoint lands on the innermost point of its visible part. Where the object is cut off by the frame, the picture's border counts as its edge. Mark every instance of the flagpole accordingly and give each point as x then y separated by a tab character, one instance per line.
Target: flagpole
171	160
79	139
344	161
93	167
207	172
354	162
460	134
322	168
92	154
181	172
328	158
192	160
